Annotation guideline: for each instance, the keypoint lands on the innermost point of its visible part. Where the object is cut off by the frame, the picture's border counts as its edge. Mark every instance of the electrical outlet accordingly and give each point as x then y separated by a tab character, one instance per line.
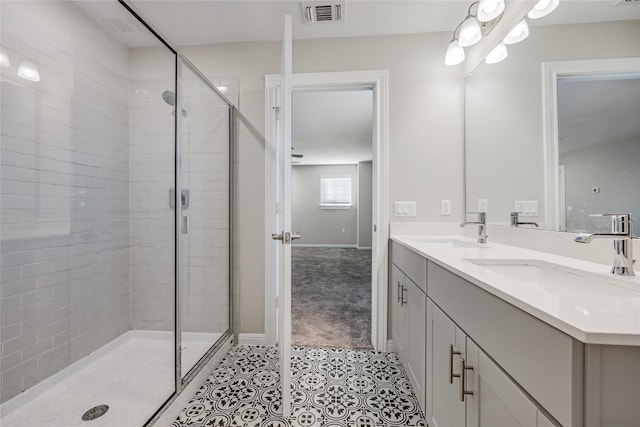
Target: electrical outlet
445	207
483	205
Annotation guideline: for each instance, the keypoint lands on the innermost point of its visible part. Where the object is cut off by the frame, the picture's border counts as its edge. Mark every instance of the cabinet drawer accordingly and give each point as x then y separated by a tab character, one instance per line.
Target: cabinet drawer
411	264
544	361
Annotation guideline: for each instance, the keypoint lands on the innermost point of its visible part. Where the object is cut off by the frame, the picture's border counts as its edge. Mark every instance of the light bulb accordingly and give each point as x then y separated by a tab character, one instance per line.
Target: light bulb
470	33
543	8
4	60
499	53
518	33
455	53
490	9
29	71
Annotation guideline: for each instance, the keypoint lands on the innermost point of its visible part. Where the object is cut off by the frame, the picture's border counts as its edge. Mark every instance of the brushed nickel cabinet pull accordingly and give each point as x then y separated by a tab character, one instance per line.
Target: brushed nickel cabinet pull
404	301
451	374
463	381
399	296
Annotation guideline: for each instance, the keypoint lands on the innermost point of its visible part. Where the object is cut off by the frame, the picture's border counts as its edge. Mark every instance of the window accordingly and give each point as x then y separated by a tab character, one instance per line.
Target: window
335	192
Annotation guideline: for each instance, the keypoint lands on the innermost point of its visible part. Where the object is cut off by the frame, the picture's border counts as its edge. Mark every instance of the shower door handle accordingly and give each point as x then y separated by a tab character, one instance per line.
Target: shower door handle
185	224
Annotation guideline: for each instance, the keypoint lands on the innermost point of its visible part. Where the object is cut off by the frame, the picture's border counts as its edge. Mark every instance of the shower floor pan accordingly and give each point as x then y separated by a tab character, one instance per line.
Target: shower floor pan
133	375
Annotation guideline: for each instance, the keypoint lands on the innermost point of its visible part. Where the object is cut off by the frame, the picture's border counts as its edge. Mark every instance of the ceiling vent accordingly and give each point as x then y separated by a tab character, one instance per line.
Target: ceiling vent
314	12
627	2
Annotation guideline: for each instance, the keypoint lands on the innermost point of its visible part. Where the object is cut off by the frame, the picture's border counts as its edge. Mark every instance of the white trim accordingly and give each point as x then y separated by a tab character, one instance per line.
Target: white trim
562	198
322	245
251	339
271	83
364	248
391	347
550	73
358	207
378	80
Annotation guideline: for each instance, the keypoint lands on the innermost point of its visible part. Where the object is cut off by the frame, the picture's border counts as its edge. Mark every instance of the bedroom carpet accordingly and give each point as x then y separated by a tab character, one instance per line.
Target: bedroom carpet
331	297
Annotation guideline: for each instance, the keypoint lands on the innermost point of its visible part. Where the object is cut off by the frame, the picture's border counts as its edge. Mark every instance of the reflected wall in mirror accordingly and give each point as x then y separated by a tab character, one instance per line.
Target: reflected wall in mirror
507	163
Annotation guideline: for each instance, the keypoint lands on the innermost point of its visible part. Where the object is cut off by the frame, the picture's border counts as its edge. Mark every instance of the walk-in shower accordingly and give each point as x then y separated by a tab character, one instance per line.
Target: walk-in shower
114	291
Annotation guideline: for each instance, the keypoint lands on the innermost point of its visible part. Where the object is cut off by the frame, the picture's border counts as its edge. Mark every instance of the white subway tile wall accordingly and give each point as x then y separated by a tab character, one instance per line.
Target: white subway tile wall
205	257
151	153
65	192
88	161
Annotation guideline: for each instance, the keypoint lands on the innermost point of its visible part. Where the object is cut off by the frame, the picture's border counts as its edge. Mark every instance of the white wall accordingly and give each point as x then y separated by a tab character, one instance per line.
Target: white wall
613	167
426	131
316	225
365	206
65	192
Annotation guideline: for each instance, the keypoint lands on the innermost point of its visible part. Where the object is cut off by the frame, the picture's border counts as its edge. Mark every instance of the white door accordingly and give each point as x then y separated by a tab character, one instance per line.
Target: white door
284	234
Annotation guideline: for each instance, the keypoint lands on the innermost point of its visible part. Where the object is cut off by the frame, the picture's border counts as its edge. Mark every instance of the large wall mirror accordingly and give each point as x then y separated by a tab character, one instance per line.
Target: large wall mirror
553	131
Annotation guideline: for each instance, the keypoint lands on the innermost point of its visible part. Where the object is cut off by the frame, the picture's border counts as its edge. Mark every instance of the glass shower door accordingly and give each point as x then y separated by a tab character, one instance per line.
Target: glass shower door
204	217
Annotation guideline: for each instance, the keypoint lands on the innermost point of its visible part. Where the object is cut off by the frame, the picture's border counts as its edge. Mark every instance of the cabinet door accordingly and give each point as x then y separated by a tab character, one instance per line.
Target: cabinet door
398	321
496	400
447	408
416	339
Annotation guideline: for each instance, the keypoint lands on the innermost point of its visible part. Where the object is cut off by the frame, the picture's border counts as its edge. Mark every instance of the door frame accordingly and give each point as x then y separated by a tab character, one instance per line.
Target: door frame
378	81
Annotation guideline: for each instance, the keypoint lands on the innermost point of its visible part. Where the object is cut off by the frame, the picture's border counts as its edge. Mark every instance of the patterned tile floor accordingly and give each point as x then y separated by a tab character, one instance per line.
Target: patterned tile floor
331	387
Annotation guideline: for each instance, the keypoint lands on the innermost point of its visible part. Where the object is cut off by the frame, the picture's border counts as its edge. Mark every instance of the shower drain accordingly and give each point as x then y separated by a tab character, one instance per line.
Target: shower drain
95	412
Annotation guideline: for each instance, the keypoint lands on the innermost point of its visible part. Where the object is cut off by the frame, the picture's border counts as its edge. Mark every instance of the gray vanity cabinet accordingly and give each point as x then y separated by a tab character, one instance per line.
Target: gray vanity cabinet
448	344
408	316
469	389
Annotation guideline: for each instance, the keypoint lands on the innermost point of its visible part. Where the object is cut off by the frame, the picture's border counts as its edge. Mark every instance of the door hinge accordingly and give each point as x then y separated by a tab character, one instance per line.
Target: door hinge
276	110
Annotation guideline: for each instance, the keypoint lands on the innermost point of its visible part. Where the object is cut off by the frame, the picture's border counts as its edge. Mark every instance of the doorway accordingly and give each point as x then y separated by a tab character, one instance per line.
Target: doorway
377	83
332	139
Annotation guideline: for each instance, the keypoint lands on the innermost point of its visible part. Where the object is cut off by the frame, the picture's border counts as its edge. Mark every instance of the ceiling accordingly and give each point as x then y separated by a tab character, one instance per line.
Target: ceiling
333	127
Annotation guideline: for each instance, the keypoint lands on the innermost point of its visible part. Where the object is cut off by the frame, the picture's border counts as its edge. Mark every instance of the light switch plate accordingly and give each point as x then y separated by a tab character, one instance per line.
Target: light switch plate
405	209
445	207
526	207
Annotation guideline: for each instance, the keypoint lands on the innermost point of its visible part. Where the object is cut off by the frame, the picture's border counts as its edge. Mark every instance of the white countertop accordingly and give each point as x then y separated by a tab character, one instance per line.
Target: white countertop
594	313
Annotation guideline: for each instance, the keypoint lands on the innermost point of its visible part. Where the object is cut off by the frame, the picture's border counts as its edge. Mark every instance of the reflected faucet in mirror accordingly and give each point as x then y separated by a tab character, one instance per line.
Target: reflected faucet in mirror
622	244
515	220
482	226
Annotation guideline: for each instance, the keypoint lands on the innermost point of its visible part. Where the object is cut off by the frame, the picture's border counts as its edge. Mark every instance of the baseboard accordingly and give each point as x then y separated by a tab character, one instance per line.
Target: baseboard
391	347
363	248
251	339
312	245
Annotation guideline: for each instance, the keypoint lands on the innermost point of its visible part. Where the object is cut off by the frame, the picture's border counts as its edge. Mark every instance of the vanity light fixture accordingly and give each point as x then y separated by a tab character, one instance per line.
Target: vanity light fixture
474	26
543	8
470	32
29	71
518	33
490	9
498	54
4	59
455	53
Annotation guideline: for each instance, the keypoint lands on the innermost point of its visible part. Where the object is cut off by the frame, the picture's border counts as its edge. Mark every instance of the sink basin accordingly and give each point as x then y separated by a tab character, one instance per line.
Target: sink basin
448	243
543	275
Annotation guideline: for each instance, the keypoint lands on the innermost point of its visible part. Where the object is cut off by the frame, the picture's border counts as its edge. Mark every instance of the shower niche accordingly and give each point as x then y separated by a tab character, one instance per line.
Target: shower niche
115	290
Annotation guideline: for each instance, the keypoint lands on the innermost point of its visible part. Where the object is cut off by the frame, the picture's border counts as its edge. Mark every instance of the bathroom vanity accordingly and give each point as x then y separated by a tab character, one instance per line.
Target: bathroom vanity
494	335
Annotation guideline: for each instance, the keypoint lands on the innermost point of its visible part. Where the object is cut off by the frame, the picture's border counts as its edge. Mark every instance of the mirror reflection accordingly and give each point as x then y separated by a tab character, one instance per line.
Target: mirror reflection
559	147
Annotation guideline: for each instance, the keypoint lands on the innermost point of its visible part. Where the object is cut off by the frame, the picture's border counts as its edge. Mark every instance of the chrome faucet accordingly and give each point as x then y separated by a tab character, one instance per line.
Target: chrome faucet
622	244
515	220
482	226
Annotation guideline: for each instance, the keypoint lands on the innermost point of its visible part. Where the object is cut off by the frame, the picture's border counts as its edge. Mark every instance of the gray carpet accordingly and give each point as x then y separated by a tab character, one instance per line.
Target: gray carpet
331	297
